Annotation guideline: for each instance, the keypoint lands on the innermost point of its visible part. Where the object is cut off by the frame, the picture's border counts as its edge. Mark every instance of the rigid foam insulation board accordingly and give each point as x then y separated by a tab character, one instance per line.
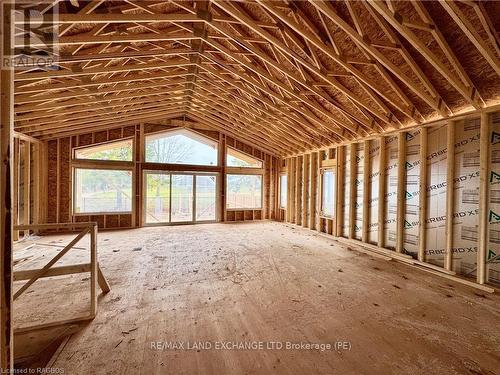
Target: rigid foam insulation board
466	196
436	195
346	187
374	154
412	168
360	159
493	265
391	187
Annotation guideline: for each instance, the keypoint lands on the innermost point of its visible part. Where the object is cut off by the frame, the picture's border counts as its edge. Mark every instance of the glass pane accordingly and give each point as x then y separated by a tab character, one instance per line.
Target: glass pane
157	198
206	198
283	191
102	190
120	151
244	191
181	147
328	193
182	198
239	159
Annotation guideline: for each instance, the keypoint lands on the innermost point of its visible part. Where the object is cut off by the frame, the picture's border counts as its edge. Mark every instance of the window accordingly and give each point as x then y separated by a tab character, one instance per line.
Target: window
181	147
102	190
283	190
328	193
114	151
244	191
239	159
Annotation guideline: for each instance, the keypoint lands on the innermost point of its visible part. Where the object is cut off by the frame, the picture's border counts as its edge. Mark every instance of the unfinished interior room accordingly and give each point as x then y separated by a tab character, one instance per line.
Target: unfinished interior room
250	187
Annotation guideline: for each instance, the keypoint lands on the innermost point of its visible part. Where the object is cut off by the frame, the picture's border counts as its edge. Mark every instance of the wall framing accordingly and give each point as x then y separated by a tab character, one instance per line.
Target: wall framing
450	254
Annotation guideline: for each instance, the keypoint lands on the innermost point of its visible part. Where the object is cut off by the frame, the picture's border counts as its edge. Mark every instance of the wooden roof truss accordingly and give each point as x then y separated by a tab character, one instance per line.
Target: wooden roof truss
288	76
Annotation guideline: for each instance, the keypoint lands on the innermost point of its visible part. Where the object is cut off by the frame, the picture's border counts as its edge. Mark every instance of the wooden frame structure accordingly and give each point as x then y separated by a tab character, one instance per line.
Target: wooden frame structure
287	81
96	276
420	259
325	71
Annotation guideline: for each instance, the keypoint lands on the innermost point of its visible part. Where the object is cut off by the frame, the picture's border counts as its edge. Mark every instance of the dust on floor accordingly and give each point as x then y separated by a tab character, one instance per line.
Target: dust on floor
185	299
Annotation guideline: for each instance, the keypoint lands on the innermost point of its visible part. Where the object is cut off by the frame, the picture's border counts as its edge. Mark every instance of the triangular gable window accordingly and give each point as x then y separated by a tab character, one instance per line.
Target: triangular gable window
240	159
181	147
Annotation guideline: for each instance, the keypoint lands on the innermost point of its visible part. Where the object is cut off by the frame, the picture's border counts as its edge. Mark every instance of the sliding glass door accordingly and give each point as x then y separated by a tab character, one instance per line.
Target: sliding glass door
182	198
171	198
157	198
206	198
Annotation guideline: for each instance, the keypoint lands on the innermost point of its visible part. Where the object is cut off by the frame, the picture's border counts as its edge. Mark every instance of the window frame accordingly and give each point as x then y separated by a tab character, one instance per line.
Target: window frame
261	175
244	153
112	162
180	131
75	167
322	212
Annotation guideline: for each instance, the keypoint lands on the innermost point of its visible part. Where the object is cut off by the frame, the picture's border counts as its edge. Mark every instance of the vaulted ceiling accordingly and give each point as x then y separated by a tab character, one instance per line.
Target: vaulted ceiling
287	75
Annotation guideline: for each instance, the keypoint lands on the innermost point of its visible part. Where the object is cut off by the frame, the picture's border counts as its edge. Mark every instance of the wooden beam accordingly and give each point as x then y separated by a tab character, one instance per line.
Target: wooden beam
127	68
304	111
422	196
15	186
6	245
326	8
421	47
230	8
339	191
105	39
26	87
314	188
366	191
484	171
468	28
450	193
381	193
305	187
54	271
441	40
293	188
401	193
288	190
110	18
352	189
298	190
26	183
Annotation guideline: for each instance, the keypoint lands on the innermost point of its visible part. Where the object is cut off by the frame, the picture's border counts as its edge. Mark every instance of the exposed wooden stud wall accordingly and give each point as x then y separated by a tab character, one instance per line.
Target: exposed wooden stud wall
26	183
381	193
291	178
317	192
352	193
289	190
401	192
312	192
422	191
450	193
298	190
366	191
329	226
339	206
305	188
484	171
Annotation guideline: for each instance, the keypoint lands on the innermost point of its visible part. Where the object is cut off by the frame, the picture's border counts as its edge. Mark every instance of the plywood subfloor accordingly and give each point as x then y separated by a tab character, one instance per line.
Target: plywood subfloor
271	282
